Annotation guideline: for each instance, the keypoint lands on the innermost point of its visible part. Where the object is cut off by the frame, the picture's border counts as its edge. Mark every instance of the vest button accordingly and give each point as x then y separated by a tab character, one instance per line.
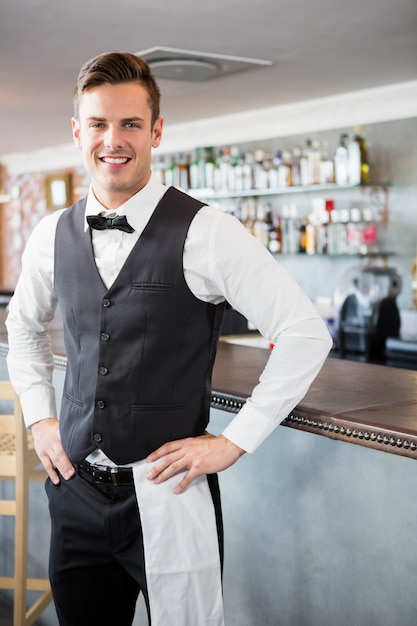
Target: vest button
97	438
104	336
103	371
100	404
106	303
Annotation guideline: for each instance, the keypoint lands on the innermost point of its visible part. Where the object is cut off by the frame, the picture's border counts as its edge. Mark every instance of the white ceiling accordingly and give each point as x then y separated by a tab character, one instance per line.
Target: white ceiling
318	48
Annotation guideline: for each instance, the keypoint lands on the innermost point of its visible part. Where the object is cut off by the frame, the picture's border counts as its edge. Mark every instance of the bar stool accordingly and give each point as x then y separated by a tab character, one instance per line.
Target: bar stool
20	463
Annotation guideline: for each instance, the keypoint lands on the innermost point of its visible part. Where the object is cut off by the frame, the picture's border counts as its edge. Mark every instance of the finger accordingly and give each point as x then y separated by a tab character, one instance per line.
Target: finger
169	467
57	465
155	472
54	476
64	466
156	455
185	482
173	446
166	449
50	470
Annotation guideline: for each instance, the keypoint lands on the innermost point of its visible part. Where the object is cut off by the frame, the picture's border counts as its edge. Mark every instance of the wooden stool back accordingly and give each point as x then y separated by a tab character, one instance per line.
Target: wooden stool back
20	463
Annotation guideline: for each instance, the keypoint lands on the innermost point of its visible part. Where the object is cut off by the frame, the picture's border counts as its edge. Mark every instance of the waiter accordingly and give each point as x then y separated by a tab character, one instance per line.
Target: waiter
141	274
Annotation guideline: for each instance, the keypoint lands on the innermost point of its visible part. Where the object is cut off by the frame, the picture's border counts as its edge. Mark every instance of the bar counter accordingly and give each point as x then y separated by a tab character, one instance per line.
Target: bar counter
369	405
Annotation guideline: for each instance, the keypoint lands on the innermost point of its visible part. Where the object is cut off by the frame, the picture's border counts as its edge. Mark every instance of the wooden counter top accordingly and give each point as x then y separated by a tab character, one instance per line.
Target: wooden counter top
370	405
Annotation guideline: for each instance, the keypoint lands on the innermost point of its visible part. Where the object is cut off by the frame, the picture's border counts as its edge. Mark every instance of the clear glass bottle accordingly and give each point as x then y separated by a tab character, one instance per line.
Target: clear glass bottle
197	178
209	166
341	161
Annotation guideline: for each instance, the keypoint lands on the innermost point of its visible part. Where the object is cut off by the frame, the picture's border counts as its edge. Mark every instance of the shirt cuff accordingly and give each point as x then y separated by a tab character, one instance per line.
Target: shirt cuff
249	428
38	403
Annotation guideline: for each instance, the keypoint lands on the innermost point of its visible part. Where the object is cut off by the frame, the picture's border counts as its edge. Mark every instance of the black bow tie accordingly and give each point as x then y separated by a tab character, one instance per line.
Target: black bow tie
99	222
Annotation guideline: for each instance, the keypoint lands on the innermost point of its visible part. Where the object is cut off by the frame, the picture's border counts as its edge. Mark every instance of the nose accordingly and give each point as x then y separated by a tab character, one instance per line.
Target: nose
113	139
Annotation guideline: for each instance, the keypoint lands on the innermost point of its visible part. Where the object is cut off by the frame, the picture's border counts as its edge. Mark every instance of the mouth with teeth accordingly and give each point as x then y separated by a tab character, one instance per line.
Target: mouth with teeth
114	160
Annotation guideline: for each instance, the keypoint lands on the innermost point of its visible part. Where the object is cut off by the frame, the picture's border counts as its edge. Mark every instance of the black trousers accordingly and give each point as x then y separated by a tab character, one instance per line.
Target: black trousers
96	563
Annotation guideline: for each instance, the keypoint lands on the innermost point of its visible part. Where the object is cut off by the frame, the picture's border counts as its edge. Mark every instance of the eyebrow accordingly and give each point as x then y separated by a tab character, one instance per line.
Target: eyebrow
93	118
133	119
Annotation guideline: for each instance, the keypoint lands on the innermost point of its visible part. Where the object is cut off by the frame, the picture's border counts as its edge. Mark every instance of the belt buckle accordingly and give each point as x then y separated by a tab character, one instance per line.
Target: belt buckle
114	473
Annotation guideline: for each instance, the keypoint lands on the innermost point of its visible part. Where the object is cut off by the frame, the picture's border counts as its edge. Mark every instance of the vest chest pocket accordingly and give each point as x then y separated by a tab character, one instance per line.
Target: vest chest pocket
152	287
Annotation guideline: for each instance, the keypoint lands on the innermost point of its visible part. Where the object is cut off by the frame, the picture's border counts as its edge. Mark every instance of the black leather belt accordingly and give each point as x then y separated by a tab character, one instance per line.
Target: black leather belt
103	475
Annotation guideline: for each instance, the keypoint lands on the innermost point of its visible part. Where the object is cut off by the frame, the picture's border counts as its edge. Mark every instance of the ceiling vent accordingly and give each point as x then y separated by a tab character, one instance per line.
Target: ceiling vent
192	66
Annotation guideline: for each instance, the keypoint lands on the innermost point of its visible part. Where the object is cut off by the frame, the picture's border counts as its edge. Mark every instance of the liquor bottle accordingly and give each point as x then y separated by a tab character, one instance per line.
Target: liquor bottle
315	161
269	168
183	167
260	226
170	172
354	231
225	166
320	220
358	163
236	171
296	167
311	235
275	233
365	167
326	165
342	237
369	241
217	179
284	170
247	171
159	168
341	161
273	172
290	231
305	164
250	220
323	233
260	175
333	232
293	229
244	213
209	166
197	178
302	240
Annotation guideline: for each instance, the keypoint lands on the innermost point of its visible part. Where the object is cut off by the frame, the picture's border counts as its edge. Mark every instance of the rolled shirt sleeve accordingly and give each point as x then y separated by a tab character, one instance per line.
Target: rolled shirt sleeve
31	310
243	271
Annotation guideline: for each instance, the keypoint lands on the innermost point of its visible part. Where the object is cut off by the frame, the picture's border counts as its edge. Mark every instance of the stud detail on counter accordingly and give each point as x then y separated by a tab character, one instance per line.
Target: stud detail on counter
383	441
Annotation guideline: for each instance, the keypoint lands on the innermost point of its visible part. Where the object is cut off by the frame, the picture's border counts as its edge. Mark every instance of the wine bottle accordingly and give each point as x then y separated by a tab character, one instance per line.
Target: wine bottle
358	163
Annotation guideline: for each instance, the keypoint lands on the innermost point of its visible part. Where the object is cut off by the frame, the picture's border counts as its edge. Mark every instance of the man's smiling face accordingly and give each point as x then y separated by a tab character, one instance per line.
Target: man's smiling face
116	137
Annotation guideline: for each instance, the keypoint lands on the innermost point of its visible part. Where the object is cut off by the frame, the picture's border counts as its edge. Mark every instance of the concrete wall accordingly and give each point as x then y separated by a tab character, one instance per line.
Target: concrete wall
319	532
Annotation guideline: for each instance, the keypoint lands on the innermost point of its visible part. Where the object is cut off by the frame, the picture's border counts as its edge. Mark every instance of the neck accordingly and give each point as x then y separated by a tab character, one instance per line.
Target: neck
111	200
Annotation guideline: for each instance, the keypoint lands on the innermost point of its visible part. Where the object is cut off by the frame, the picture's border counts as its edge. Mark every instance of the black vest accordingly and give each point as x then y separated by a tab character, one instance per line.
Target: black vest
140	354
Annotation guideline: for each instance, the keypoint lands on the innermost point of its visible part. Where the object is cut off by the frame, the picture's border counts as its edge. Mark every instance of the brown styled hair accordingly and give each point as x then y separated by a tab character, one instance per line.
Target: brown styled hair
114	68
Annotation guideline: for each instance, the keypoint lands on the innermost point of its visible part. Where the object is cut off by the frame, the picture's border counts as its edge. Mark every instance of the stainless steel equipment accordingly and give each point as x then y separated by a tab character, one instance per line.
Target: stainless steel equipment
368	312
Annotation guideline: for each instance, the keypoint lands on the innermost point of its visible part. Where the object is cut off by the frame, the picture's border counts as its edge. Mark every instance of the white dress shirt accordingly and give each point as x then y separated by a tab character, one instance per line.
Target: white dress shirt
222	261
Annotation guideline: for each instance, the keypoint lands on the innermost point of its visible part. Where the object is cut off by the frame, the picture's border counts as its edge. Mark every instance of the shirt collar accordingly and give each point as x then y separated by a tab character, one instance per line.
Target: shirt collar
138	209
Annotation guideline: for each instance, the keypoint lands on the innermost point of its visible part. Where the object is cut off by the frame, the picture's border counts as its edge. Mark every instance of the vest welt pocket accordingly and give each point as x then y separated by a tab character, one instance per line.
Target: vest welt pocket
73	400
153	287
180	406
158	424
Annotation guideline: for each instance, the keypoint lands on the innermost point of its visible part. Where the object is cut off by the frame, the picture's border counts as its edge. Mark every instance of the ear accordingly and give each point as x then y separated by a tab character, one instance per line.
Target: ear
157	132
76	132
